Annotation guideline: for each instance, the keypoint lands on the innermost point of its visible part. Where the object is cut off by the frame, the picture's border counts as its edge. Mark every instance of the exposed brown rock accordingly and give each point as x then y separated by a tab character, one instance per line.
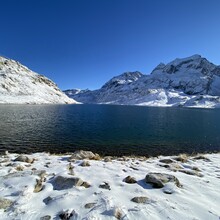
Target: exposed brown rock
130	180
39	186
182	158
5	203
140	199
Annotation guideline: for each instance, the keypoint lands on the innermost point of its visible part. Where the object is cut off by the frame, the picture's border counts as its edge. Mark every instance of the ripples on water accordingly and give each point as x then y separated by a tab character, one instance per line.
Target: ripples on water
108	129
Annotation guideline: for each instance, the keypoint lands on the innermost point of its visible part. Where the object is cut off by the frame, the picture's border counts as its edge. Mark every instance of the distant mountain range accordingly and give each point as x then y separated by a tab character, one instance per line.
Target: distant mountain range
19	85
187	82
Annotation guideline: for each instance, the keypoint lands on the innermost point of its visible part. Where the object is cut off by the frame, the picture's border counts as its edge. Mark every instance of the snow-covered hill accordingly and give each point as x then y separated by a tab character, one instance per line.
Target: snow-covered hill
191	82
19	85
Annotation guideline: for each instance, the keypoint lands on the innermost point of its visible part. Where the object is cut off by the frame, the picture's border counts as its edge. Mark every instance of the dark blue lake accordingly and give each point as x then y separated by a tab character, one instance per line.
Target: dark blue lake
108	129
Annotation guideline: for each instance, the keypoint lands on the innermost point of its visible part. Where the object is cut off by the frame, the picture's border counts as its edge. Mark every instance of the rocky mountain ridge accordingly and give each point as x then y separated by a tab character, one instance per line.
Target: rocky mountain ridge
20	85
187	82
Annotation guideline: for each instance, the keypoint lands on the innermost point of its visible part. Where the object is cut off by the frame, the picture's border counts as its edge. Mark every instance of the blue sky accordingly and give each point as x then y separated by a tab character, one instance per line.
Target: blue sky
83	43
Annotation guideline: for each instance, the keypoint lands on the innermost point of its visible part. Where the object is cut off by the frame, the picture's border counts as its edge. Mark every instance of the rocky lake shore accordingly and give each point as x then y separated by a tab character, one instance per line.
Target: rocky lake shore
83	185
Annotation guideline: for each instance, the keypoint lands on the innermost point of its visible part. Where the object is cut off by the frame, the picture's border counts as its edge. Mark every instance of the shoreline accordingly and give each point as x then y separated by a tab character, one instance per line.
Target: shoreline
119	155
83	185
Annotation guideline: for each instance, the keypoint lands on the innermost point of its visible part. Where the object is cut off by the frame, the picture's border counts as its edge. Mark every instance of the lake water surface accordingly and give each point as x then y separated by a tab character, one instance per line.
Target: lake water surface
108	129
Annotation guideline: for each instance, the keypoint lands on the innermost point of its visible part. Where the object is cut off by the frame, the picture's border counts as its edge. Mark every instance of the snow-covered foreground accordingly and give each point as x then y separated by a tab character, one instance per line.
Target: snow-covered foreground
78	187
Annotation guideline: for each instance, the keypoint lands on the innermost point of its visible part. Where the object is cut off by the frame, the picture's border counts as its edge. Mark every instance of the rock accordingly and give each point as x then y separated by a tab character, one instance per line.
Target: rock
66	215
46	217
117	213
164	165
158	180
201	157
86	185
70	168
19	168
23	158
105	186
81	155
191	172
39	186
47	200
175	167
140	199
167	161
182	158
134	168
61	183
107	159
196	169
85	163
130	180
113	213
89	205
5	203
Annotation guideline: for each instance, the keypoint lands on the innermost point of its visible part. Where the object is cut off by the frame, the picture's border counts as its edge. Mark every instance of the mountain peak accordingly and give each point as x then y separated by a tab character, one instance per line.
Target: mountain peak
124	78
192	81
194	63
20	85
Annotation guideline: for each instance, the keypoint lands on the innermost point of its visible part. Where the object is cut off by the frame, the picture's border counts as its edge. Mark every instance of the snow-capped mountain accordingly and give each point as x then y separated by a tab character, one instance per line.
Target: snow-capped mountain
191	82
20	85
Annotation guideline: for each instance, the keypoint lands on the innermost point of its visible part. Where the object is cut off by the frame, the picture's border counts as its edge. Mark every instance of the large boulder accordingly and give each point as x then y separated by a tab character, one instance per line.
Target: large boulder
158	180
61	182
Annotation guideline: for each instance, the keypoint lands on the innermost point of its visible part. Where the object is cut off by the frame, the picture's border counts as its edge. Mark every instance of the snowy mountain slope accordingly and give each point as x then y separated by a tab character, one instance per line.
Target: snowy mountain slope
19	85
192	82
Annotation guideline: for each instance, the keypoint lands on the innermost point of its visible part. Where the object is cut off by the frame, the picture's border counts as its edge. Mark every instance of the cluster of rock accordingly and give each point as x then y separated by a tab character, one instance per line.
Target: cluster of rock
60	182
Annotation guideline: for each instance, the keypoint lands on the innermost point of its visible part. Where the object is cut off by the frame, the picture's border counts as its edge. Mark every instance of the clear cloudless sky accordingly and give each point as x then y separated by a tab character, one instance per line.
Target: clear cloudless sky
84	43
